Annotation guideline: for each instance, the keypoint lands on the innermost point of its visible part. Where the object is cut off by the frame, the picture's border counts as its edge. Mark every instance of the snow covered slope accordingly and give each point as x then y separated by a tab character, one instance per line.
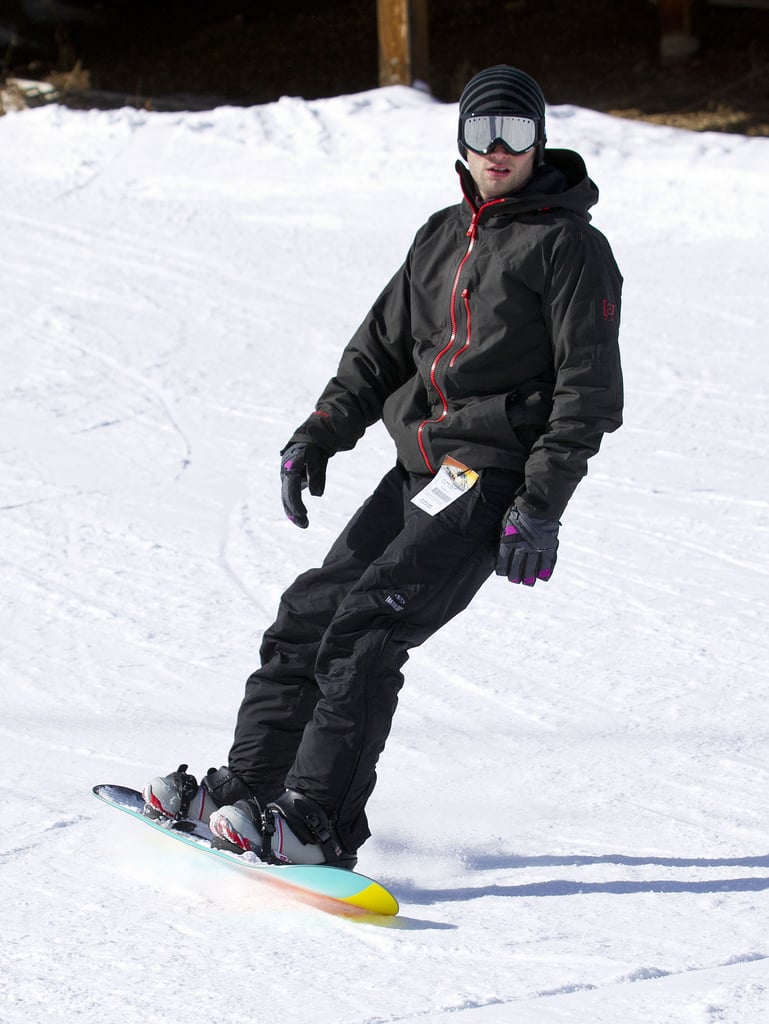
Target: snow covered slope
574	805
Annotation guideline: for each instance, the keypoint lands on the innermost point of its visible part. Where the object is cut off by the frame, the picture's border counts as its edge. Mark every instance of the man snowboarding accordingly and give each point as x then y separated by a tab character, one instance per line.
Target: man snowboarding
492	358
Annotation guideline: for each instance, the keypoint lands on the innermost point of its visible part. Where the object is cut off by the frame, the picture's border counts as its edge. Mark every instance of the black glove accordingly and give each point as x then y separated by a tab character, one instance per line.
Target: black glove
527	547
301	465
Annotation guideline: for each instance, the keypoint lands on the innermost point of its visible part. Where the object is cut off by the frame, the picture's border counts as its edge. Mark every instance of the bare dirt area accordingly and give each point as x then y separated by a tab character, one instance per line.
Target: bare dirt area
601	54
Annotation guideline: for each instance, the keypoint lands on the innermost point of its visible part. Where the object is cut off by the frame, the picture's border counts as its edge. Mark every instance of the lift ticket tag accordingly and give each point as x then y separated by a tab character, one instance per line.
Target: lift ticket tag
449	483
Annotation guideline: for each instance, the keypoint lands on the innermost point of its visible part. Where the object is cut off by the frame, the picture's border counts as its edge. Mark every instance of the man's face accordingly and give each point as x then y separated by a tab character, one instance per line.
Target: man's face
499	172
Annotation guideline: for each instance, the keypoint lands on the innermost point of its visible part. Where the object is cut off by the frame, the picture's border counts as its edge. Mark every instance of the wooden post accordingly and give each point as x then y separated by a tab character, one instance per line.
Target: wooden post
403	46
677	38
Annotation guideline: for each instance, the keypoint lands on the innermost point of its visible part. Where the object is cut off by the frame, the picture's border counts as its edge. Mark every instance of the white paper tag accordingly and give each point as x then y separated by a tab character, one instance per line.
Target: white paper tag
450	482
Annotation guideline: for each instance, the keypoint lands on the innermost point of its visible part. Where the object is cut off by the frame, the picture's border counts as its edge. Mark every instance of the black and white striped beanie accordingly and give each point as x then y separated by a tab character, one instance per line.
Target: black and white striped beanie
502	90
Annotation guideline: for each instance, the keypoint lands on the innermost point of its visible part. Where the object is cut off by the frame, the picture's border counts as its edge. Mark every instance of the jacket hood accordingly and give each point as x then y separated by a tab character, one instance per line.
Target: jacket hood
561	181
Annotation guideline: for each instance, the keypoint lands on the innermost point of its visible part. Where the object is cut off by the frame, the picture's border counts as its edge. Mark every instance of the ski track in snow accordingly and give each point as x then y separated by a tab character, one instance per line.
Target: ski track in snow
572	806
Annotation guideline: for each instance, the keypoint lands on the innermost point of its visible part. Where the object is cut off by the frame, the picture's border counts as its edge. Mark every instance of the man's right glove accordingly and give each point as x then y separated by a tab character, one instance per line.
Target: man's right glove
301	465
527	547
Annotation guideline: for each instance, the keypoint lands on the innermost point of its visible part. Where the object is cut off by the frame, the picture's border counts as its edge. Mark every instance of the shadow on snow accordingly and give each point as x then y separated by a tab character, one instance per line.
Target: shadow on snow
615	887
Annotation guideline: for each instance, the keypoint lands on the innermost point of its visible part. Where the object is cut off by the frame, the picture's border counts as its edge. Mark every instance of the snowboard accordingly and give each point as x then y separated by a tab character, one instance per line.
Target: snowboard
344	890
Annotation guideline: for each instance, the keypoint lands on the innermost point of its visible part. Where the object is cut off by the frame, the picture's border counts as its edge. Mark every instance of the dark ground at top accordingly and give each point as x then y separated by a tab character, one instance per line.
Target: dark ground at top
596	53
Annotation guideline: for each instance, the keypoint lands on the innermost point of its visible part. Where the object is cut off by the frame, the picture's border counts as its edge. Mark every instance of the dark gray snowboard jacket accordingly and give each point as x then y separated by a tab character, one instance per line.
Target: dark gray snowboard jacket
496	342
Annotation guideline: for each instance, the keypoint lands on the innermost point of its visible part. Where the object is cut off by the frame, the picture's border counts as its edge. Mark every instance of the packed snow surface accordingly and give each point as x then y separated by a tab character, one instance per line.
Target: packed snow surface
573	808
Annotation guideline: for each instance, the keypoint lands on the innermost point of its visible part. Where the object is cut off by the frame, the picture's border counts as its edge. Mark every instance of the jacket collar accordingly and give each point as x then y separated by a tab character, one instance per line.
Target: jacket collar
560	181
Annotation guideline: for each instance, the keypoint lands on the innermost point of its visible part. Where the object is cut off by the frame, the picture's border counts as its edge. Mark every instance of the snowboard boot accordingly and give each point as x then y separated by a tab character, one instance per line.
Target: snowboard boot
178	795
238	827
291	830
304	834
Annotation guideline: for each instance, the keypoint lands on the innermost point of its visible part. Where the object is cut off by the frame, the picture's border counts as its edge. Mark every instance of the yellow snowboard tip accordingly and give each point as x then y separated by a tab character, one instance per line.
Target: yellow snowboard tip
375	899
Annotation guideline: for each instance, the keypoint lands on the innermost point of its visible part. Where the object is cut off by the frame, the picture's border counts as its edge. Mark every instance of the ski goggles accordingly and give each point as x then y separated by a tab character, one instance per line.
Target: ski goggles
481	132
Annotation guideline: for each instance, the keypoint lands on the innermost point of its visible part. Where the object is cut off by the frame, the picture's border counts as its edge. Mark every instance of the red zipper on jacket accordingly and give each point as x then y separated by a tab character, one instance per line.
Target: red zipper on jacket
471	233
459	351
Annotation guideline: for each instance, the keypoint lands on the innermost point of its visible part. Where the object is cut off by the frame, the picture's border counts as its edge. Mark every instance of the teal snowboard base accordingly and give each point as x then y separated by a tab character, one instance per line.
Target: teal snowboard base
347	889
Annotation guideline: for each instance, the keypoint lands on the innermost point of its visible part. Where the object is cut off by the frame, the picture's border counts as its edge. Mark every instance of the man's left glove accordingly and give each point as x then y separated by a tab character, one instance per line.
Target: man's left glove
301	465
527	547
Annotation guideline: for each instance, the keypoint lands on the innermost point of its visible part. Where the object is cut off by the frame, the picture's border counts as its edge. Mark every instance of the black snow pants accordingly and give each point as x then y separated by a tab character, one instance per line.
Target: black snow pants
316	715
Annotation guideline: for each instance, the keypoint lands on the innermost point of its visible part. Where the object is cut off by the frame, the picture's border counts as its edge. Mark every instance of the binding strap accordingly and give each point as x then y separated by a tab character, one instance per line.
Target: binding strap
187	788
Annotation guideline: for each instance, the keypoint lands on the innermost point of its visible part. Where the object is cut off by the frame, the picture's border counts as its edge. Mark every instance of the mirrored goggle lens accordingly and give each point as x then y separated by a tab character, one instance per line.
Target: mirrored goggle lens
516	133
